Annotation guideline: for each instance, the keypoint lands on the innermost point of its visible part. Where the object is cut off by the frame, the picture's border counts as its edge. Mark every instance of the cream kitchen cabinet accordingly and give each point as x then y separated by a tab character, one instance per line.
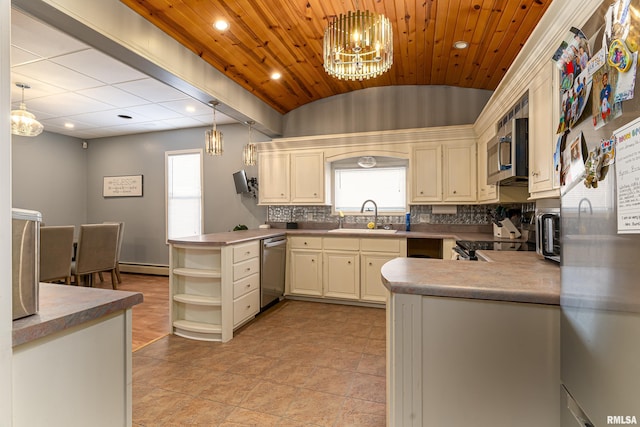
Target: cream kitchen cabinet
349	270
426	167
305	265
460	176
273	178
296	177
341	268
213	289
486	193
444	173
543	120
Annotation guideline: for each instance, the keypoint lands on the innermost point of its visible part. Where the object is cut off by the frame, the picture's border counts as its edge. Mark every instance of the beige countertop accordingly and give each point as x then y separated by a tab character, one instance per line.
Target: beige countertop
64	306
233	237
507	276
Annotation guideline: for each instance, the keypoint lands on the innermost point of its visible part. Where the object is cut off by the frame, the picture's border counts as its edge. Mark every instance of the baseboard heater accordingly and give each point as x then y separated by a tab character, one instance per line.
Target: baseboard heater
155	269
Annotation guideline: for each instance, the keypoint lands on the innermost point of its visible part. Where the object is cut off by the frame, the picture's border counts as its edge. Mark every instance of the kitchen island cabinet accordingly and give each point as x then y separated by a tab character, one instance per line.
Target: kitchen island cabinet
72	361
473	343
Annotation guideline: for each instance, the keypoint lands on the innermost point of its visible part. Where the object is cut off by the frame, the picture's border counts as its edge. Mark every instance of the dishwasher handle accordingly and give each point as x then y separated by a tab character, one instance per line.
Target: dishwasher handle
274	244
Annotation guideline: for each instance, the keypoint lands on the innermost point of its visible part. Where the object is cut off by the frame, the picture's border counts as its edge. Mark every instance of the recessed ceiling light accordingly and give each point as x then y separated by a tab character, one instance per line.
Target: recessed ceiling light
190	109
69	125
124	116
221	25
275	75
461	44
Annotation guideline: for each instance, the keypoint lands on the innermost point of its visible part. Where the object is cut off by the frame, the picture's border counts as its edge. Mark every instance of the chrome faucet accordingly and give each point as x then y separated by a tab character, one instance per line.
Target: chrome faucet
375	218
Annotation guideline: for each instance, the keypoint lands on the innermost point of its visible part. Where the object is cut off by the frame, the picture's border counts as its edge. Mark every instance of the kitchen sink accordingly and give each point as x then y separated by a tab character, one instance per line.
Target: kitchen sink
362	231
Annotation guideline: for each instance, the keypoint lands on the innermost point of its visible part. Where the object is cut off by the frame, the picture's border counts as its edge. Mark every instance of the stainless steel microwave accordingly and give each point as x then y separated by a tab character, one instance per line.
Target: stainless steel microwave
507	155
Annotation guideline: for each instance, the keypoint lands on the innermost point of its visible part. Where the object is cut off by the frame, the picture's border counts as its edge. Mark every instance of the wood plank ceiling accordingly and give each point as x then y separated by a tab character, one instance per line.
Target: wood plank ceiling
286	36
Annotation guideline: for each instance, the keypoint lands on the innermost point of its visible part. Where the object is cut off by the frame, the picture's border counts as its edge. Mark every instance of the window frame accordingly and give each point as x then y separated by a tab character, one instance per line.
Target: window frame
167	155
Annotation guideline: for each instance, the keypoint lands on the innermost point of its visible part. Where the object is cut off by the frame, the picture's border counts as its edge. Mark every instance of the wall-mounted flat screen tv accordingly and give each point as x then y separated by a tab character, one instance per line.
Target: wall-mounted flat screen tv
240	179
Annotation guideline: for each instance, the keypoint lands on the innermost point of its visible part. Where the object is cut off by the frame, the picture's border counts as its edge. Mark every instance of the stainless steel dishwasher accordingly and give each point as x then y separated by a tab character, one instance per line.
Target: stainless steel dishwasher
272	270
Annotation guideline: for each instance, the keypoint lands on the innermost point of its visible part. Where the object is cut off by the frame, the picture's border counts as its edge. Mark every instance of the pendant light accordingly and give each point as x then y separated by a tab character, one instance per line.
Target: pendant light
24	123
213	137
249	153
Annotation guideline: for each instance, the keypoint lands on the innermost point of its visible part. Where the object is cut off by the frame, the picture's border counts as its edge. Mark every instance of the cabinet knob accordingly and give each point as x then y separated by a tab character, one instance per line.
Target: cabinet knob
422	192
454	191
248	285
370	264
247	269
248	307
348	262
315	194
305	243
282	194
313	260
248	253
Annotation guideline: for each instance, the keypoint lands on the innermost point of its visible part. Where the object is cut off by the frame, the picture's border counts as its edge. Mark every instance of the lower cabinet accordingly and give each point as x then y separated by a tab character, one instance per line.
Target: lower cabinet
213	289
345	268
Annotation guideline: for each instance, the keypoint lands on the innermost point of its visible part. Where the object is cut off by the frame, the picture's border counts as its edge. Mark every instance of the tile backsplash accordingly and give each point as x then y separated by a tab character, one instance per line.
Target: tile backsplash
420	214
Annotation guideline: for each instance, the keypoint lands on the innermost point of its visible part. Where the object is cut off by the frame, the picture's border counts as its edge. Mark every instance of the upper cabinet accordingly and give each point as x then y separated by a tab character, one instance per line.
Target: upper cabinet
291	177
486	193
444	172
543	108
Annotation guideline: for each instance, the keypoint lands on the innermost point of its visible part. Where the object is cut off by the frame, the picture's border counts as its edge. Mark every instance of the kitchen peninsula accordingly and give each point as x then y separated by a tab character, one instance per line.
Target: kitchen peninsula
72	360
473	343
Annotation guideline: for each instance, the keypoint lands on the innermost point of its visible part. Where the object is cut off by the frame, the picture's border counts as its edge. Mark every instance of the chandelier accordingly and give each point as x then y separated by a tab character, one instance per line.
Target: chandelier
358	45
249	152
213	137
24	123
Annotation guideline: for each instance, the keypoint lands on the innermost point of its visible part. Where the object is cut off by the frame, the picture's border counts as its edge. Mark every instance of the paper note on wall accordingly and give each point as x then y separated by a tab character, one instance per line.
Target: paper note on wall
628	177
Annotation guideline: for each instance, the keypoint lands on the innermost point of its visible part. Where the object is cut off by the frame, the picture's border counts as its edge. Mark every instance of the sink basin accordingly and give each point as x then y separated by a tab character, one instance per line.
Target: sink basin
362	231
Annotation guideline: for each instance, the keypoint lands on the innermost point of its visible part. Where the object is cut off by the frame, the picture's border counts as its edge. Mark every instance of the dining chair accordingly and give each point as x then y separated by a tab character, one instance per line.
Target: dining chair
56	250
120	237
97	249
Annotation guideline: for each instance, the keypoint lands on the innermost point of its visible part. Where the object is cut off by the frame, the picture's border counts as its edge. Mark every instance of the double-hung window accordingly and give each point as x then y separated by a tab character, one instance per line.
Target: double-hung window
184	194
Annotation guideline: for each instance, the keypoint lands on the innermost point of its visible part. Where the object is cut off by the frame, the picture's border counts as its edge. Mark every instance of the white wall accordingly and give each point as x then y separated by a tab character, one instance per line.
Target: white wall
6	402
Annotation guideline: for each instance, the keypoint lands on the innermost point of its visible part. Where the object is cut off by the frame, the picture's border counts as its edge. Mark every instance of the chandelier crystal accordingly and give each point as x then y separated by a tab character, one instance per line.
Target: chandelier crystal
249	151
213	137
24	123
358	45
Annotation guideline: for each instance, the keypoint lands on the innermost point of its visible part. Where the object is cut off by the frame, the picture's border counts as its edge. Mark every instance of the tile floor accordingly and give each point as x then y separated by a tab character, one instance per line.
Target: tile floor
298	364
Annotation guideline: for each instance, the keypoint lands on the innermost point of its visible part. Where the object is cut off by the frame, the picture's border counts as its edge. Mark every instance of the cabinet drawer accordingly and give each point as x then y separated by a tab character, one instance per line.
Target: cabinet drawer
246	251
246	285
380	245
246	306
246	268
305	242
341	243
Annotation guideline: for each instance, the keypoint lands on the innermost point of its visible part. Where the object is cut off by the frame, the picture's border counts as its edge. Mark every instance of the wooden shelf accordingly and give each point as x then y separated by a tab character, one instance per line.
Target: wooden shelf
205	328
197	300
196	272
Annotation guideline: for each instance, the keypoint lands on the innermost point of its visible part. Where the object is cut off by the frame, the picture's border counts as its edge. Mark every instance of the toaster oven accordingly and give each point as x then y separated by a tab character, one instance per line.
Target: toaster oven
548	234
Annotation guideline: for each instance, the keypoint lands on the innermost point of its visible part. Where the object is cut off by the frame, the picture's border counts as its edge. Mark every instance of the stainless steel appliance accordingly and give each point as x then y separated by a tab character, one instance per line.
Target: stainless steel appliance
507	155
25	257
600	270
548	233
272	270
465	250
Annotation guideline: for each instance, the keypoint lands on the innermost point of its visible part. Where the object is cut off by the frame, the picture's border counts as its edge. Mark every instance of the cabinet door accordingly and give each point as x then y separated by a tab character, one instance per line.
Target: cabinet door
372	288
542	137
459	172
486	192
306	272
426	173
273	177
341	275
307	178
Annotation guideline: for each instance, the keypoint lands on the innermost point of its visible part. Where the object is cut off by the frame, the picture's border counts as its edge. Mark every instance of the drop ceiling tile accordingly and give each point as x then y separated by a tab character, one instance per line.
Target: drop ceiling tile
66	104
99	66
152	90
107	118
40	39
37	88
113	96
190	107
154	111
184	122
57	75
20	56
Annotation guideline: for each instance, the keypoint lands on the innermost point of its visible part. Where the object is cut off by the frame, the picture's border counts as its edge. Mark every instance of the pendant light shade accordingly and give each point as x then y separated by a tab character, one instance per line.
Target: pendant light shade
213	137
249	152
24	123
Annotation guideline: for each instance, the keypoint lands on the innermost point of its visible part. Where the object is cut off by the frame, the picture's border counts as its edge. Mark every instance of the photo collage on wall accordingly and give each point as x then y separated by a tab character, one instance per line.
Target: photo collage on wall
608	76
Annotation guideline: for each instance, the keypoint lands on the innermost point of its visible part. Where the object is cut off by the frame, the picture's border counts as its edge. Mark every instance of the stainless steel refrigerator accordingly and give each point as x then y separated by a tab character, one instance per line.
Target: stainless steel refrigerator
600	296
